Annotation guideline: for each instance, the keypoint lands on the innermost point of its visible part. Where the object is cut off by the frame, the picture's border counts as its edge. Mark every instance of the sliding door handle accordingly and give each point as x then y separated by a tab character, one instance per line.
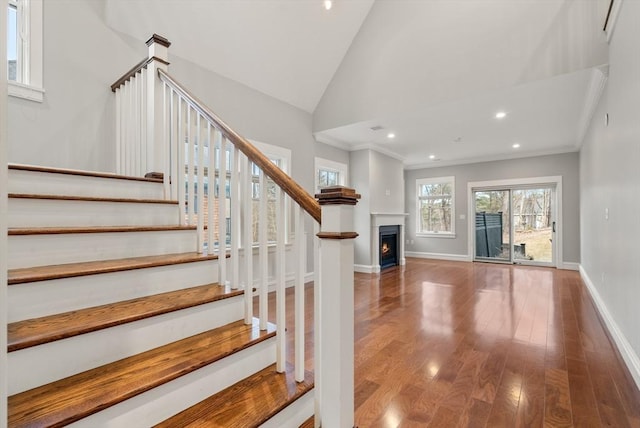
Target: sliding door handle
553	227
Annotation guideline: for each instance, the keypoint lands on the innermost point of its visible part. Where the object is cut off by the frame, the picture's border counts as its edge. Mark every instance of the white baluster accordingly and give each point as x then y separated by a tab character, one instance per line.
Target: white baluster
281	315
181	161
300	269
166	132
173	144
127	131
247	223
200	206
235	219
222	212
211	226
263	305
118	93
191	150
143	123
135	94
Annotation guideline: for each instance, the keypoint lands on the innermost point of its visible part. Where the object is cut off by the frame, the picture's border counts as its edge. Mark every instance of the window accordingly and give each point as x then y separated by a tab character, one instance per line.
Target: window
330	173
281	157
435	206
24	49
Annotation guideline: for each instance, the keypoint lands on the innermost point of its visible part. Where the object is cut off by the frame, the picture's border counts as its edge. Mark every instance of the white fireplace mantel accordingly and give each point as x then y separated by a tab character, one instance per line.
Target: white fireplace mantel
386	219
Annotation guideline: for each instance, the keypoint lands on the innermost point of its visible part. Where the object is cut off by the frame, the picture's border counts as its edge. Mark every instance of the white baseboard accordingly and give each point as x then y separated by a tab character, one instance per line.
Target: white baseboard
624	347
569	266
438	256
363	268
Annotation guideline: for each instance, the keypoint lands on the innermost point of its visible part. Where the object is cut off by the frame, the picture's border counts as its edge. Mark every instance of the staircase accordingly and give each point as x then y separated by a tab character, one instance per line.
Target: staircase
116	319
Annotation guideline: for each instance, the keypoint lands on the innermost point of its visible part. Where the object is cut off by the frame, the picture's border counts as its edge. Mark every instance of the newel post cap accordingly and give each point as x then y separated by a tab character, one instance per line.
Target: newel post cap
337	207
337	195
155	38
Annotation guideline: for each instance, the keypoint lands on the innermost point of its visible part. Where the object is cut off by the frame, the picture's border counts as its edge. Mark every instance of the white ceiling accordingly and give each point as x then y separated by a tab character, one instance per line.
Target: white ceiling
431	71
288	49
544	117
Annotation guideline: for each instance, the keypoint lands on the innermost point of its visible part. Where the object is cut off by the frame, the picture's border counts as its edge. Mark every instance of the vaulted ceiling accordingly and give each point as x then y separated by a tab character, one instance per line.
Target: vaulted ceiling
432	72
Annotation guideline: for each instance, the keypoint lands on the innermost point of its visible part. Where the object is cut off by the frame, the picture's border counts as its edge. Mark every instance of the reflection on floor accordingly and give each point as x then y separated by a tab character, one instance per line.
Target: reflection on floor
446	344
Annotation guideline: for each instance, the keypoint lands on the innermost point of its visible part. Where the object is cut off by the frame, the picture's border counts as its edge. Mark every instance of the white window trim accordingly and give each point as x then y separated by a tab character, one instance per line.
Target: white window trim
284	154
436	180
341	168
275	152
31	25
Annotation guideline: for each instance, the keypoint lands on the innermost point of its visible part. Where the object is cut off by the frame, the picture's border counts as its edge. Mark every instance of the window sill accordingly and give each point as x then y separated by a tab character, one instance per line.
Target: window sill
27	92
436	235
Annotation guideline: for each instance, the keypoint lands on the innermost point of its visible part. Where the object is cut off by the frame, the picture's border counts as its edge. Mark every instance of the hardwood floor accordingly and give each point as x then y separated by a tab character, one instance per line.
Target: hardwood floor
446	344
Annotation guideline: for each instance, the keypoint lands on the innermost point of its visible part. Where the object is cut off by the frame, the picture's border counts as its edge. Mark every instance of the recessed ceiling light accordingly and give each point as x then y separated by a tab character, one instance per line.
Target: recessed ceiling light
327	4
432	157
516	145
501	115
391	135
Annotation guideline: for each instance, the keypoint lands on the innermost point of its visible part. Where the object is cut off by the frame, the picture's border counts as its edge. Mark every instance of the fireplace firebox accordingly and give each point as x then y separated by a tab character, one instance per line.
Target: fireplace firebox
389	246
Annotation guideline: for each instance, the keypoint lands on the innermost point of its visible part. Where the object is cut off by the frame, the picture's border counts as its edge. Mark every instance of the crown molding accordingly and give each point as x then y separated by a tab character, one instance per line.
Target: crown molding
380	150
493	158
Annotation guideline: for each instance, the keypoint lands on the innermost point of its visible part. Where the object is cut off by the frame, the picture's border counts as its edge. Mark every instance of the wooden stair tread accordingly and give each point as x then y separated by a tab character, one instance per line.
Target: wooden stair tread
68	270
36	331
62	402
14	231
309	423
90	198
35	168
248	403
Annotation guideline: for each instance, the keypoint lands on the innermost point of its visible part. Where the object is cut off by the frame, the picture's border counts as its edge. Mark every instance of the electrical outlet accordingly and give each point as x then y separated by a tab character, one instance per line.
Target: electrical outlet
387	192
606	213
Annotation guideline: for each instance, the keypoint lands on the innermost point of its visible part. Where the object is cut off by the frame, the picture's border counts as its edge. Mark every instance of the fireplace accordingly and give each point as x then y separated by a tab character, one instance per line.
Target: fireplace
389	247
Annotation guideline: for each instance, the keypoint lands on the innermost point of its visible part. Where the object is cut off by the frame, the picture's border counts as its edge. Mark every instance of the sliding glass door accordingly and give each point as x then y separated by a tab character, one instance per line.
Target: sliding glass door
515	225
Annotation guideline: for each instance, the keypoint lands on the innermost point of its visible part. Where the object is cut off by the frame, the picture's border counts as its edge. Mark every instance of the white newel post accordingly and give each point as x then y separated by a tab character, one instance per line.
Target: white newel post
336	335
155	144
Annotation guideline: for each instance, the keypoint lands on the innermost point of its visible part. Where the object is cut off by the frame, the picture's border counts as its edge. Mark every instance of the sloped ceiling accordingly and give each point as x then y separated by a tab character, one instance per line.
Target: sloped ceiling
433	72
288	49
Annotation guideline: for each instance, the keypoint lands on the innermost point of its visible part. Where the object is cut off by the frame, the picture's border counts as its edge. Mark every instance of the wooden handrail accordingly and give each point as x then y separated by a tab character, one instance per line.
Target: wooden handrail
292	188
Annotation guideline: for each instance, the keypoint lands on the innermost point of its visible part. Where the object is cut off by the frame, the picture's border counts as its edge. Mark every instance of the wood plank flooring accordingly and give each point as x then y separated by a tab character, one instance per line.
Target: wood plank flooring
454	344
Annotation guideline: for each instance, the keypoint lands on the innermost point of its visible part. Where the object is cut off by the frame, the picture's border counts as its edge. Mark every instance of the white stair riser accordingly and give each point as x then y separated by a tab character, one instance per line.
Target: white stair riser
156	405
52	361
42	298
42	250
45	183
70	213
293	415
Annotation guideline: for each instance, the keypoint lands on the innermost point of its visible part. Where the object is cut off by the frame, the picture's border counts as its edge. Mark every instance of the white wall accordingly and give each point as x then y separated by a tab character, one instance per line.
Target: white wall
386	178
332	153
610	180
74	126
565	165
372	174
359	166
